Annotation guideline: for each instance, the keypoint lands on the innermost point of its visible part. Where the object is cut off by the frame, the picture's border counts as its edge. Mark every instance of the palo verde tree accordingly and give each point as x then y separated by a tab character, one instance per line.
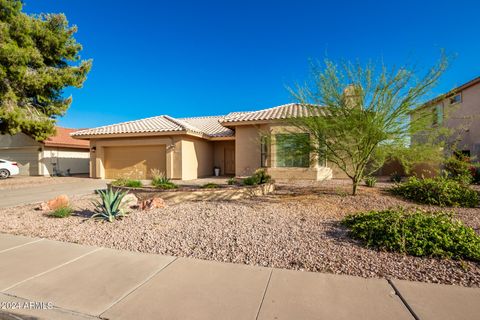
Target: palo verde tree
39	58
362	114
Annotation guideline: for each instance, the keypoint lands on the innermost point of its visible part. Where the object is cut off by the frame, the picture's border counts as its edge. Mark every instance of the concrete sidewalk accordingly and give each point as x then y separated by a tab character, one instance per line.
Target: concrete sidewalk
44	279
33	194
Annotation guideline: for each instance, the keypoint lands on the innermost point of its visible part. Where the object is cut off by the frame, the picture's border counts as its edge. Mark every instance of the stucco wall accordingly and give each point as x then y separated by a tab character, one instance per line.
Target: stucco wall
197	158
247	149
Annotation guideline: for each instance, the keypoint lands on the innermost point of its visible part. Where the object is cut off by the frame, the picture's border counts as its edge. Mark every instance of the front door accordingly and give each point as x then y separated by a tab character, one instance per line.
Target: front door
229	160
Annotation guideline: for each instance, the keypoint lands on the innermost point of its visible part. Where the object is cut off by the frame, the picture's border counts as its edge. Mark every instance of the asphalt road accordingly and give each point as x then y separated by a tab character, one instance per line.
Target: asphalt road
40	193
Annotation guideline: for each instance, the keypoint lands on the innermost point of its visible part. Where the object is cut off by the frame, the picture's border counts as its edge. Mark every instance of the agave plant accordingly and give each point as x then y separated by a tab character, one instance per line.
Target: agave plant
109	208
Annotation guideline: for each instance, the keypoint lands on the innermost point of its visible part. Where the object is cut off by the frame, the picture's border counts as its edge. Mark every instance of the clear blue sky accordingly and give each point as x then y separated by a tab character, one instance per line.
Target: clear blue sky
189	58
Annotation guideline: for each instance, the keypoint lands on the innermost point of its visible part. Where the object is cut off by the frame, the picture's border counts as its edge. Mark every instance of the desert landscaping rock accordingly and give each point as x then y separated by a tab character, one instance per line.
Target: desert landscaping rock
61	201
295	228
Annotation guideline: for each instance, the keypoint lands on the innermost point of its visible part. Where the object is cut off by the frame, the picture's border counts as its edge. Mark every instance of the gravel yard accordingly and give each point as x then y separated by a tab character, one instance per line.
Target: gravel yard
296	228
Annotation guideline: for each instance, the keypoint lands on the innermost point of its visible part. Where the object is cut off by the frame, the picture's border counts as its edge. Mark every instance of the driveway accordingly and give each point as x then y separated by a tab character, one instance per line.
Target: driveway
32	191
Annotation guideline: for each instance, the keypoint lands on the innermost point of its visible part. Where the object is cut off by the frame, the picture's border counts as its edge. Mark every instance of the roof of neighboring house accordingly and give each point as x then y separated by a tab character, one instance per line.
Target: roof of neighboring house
207	127
62	138
291	110
451	92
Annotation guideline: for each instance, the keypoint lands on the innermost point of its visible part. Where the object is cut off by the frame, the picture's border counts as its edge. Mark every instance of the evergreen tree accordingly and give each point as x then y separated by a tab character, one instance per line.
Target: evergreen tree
39	58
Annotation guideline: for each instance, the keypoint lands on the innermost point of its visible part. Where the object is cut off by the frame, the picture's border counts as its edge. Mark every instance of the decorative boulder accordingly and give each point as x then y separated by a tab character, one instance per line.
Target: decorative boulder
128	201
61	201
154	203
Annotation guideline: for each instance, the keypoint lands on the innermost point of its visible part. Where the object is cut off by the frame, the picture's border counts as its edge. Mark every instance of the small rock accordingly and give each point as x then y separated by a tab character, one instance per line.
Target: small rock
128	201
153	204
61	201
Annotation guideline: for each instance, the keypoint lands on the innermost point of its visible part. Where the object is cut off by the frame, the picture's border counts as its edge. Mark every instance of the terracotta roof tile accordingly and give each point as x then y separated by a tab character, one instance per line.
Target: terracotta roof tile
63	139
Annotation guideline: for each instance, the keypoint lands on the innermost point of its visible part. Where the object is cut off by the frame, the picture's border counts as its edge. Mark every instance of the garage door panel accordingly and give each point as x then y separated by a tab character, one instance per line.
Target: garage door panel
27	160
134	162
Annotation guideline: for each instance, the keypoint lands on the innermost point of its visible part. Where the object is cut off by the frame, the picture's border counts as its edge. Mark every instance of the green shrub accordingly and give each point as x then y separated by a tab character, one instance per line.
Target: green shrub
210	185
61	212
475	174
159	180
370	181
232	181
438	191
417	233
395	177
109	208
259	177
130	183
458	169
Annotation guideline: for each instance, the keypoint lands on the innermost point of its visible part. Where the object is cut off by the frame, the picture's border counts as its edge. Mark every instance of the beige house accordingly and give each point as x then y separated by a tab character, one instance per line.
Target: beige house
190	148
459	109
58	155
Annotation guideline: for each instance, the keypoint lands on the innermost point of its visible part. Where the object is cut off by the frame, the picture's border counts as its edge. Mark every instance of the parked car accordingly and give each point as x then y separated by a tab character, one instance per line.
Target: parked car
8	168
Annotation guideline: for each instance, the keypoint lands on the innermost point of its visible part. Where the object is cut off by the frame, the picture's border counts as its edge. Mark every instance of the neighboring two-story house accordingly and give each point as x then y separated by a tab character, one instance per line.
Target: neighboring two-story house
458	109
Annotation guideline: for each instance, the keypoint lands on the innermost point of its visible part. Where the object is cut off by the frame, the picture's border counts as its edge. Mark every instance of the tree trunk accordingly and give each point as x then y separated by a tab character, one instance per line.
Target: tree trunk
354	186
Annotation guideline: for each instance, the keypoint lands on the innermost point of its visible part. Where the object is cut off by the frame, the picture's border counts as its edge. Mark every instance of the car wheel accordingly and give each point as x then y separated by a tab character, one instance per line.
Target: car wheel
4	173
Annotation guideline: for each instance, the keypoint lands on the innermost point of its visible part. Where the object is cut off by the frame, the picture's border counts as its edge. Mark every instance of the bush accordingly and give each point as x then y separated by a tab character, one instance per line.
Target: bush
210	185
232	181
259	177
475	174
61	212
437	191
130	183
395	177
109	208
370	181
417	233
458	169
159	180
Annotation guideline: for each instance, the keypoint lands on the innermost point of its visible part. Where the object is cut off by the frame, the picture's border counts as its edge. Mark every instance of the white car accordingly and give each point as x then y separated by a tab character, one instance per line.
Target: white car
8	168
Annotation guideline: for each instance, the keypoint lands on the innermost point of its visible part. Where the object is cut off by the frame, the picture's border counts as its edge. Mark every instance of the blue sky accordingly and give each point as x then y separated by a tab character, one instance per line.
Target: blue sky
190	58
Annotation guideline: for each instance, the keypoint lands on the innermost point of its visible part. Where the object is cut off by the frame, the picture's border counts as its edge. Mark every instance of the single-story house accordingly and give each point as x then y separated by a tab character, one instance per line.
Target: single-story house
58	155
190	148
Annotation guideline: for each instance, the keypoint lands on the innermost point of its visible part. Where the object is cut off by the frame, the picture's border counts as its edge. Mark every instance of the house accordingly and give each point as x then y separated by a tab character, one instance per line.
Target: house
189	148
60	154
458	109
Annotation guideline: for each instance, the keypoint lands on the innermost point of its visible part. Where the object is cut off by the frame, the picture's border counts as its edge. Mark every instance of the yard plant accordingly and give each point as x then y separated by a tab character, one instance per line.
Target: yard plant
125	182
259	177
416	233
440	191
210	185
370	181
160	180
109	207
62	212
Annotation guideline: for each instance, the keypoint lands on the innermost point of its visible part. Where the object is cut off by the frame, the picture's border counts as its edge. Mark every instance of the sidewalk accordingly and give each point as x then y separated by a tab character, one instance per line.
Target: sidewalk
84	282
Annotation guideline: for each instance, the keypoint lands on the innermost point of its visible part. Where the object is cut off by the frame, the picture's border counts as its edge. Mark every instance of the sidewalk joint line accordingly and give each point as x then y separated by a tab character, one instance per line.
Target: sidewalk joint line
52	269
405	303
21	245
147	279
264	293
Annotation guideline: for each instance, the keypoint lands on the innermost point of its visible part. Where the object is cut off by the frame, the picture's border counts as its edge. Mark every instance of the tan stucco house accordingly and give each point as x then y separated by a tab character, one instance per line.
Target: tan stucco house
458	109
58	155
190	148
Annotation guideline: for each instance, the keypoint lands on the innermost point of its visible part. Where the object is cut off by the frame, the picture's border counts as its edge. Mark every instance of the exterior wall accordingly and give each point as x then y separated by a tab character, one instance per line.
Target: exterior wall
63	159
219	154
186	157
23	150
248	154
197	158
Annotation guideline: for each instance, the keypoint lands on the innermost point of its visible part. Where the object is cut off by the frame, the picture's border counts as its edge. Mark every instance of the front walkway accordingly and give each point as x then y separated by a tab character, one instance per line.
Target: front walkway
47	279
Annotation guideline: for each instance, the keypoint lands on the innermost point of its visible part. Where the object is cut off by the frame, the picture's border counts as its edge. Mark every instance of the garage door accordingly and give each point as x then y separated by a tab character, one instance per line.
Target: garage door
134	162
27	159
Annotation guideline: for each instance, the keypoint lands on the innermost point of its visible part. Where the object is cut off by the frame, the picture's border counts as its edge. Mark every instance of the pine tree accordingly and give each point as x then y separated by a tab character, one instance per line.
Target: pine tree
39	58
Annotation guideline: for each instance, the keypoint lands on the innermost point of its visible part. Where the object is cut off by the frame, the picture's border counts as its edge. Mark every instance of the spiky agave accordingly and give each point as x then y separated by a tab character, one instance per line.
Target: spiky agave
109	208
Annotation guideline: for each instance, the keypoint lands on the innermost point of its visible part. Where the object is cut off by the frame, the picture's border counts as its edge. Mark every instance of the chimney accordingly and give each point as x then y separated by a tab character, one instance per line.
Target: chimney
352	96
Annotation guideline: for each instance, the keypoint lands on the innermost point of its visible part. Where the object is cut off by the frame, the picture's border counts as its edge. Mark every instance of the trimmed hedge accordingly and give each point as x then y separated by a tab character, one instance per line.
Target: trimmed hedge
438	191
416	233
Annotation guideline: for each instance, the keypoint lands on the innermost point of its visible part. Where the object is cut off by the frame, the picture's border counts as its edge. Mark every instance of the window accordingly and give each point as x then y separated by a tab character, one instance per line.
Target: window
263	151
456	99
292	150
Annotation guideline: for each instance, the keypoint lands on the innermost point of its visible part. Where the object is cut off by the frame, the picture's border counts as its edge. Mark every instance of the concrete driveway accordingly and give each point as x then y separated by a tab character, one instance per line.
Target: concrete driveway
33	192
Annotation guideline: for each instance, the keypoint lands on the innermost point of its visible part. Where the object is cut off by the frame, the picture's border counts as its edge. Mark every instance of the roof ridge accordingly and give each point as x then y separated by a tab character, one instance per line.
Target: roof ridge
202	117
187	126
118	123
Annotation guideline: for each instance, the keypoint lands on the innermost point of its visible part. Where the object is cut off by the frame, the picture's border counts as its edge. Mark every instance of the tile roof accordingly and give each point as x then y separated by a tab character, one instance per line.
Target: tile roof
210	126
62	138
285	111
